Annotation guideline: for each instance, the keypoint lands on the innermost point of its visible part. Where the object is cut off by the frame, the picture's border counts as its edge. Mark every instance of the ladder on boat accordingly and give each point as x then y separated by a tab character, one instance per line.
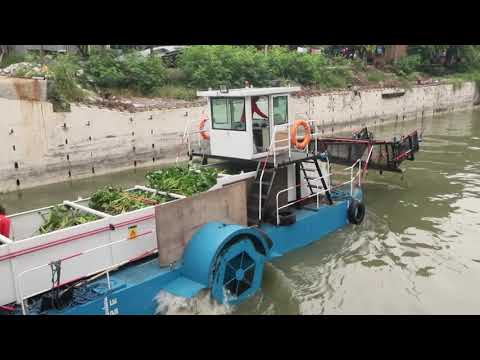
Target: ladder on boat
260	199
260	193
318	176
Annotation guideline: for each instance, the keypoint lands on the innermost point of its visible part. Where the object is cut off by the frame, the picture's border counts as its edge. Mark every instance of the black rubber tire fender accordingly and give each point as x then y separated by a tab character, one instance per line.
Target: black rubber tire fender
287	218
356	212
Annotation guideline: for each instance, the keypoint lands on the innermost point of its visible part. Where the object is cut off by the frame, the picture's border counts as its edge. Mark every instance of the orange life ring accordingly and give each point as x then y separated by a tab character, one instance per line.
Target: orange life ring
203	133
293	134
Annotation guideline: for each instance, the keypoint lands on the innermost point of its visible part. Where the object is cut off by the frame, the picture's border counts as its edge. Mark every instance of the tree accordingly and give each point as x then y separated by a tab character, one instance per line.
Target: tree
4	49
365	50
429	53
85	50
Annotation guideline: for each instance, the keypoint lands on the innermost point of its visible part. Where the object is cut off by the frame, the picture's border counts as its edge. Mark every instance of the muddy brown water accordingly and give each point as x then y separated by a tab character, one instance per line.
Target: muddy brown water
417	251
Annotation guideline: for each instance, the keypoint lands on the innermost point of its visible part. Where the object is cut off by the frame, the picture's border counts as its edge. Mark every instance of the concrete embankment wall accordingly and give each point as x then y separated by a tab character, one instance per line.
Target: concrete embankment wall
39	146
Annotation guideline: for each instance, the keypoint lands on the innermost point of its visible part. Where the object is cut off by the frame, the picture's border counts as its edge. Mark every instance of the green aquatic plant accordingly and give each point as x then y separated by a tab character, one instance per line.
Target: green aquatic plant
113	200
182	180
61	217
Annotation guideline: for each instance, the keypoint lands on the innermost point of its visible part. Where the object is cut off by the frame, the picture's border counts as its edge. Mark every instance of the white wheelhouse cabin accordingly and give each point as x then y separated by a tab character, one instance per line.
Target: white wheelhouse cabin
241	123
257	127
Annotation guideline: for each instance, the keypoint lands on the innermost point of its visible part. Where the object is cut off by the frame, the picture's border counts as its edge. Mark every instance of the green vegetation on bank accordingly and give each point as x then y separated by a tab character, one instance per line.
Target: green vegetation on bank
212	66
105	71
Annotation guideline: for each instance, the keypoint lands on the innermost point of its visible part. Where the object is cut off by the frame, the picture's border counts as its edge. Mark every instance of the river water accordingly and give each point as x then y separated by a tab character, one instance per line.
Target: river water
417	251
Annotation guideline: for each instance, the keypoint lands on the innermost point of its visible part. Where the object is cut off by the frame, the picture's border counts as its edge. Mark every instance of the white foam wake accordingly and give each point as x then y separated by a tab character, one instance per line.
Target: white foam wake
202	304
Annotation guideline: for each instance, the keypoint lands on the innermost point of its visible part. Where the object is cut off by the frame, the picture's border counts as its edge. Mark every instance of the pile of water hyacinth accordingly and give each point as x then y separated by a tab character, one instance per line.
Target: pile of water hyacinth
112	200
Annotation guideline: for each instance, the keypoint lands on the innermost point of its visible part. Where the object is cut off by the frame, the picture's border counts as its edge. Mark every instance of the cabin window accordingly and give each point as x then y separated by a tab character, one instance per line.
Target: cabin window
228	113
260	110
280	110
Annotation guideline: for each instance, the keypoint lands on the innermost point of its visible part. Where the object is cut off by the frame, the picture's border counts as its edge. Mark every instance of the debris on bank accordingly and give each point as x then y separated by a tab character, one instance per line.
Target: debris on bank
137	104
25	69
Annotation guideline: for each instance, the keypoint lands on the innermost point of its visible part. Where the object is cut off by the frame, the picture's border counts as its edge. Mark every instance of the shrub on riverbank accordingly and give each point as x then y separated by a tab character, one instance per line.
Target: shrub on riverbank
200	67
106	70
64	71
407	65
175	92
212	66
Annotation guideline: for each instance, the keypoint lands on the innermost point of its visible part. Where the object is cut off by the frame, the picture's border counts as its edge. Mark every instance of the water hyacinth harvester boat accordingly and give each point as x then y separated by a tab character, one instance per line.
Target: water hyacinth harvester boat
285	196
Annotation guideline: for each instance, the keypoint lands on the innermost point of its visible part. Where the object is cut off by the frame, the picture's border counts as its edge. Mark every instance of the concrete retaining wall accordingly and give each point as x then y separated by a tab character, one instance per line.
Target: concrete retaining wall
338	111
39	146
23	89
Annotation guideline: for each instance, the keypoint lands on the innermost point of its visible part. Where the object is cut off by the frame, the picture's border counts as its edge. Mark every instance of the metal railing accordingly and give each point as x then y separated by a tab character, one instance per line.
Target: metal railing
5	240
154	191
288	126
260	188
321	191
274	141
188	133
106	271
274	149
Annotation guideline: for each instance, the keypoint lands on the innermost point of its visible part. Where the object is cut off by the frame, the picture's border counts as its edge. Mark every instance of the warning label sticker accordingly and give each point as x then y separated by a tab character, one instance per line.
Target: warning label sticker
132	232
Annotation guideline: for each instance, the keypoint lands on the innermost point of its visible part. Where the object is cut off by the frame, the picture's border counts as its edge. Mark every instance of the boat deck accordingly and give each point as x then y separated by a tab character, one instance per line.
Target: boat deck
283	159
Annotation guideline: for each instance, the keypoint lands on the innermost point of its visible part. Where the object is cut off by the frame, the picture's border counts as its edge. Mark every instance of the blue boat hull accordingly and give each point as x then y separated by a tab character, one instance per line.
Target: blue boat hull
135	288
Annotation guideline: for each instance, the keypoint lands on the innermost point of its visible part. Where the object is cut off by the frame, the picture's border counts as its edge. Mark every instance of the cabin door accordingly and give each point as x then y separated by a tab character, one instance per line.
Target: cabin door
261	128
230	128
279	104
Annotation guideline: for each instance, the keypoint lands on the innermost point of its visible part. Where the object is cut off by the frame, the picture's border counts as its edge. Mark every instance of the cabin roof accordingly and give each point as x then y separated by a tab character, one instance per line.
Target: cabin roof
249	92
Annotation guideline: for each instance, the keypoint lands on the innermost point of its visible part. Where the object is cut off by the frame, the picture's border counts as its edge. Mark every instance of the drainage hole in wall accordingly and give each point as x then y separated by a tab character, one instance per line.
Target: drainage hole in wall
93	170
135	163
18	182
68	157
89	138
16	165
153	146
133	133
66	141
153	159
133	148
14	148
69	173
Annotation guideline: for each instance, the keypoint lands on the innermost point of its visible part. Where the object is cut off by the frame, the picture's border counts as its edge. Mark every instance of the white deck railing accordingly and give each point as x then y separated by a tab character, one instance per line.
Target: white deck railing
275	149
321	191
188	133
287	126
98	273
